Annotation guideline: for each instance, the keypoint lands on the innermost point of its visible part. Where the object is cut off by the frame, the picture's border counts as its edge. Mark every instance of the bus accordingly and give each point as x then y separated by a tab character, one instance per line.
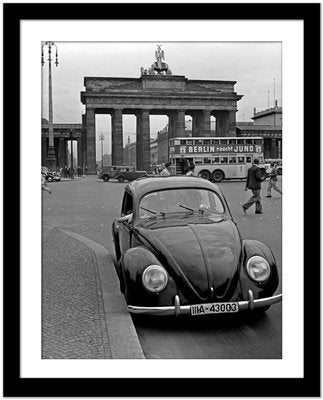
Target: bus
216	158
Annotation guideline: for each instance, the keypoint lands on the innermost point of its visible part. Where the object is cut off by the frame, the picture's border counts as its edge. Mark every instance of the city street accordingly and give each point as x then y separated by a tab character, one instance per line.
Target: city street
87	206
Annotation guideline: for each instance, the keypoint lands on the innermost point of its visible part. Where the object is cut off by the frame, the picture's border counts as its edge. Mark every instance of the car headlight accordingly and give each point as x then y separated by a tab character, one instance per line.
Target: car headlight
155	278
258	268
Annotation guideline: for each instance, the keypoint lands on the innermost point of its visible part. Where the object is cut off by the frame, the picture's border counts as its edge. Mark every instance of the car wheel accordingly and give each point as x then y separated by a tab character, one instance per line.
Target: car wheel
121	179
49	179
218	175
205	174
106	178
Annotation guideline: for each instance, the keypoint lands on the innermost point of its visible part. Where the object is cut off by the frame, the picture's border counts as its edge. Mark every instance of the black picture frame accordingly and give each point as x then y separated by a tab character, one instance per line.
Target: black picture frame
13	384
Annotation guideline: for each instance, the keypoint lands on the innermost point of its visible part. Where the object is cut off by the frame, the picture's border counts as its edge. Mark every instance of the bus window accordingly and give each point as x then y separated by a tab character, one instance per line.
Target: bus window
241	160
207	141
232	141
171	142
177	142
224	160
248	159
258	141
207	160
248	141
189	142
232	160
198	160
183	142
215	160
215	141
224	141
240	141
198	142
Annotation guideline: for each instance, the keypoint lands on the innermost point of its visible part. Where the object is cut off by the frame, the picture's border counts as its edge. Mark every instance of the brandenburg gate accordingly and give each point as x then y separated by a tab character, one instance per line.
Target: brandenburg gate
156	92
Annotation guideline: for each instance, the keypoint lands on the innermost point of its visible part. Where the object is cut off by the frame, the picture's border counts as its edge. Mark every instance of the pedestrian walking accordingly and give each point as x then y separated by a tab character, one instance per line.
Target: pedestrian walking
190	170
165	171
254	180
44	184
272	184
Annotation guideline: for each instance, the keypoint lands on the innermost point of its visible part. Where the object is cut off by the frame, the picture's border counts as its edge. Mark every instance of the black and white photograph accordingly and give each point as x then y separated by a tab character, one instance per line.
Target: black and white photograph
159	244
162	199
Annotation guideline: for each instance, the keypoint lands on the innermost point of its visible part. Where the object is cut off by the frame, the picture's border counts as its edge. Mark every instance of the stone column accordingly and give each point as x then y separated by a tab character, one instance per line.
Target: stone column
79	152
117	137
171	125
61	153
143	141
66	153
180	123
195	124
84	152
222	123
90	139
44	149
205	123
273	149
232	123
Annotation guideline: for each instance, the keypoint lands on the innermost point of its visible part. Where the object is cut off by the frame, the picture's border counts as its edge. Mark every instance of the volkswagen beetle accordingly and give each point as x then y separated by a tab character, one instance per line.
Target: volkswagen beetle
179	252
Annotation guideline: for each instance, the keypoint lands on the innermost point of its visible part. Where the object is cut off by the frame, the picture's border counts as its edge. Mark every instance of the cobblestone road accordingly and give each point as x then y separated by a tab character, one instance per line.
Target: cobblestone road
72	307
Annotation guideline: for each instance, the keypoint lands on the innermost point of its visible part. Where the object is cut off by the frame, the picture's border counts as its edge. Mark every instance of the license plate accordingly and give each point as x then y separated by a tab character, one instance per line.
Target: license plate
214	308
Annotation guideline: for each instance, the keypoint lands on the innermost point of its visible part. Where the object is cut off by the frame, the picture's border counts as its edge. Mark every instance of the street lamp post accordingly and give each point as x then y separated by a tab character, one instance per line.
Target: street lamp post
101	137
51	159
72	166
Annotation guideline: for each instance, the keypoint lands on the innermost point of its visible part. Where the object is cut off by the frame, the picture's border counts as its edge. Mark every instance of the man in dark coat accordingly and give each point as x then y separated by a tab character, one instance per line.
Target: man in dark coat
254	180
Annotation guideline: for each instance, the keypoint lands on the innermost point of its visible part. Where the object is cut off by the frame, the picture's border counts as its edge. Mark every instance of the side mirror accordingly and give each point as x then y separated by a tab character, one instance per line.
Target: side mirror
126	218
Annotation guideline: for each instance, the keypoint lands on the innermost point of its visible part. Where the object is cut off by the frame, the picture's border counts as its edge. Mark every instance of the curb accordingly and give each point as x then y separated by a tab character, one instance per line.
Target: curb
122	334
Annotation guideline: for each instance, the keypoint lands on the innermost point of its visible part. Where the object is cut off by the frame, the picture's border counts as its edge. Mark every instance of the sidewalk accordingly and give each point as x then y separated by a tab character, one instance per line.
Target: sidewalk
84	314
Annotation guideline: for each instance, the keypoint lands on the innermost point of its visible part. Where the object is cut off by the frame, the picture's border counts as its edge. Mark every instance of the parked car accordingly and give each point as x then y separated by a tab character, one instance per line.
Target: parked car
121	173
178	252
50	176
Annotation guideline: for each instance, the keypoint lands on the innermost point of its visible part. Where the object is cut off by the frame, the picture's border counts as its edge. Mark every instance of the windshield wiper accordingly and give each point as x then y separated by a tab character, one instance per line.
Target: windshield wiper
146	209
154	212
192	209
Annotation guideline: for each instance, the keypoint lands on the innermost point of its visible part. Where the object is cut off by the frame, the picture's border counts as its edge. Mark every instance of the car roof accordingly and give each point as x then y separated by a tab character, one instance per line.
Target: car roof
141	186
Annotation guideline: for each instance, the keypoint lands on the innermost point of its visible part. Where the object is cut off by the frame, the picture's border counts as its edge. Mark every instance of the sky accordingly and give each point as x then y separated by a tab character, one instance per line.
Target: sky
255	66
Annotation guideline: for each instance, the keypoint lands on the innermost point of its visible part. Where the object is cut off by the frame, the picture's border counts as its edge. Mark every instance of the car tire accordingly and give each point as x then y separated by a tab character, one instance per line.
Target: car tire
218	175
205	174
121	179
106	178
49	179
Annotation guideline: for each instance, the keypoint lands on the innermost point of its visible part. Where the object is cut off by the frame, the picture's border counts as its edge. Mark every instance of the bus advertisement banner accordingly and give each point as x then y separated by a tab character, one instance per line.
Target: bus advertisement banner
218	148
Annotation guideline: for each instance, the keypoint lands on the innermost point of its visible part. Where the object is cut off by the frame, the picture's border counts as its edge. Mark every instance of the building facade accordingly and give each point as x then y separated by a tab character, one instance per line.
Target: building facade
266	124
63	133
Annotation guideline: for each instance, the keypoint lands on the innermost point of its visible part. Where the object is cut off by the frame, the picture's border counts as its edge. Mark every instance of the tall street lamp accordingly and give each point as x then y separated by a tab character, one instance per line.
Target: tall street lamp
101	137
72	166
51	159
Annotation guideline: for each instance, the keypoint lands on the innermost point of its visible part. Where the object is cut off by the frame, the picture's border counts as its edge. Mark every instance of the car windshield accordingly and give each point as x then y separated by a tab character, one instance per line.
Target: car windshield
180	201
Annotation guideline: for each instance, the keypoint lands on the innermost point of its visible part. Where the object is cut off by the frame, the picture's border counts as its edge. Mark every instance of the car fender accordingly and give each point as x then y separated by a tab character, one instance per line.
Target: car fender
133	262
252	248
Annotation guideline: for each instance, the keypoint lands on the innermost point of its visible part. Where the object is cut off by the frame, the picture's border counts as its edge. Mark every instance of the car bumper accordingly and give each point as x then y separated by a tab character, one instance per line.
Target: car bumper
177	309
